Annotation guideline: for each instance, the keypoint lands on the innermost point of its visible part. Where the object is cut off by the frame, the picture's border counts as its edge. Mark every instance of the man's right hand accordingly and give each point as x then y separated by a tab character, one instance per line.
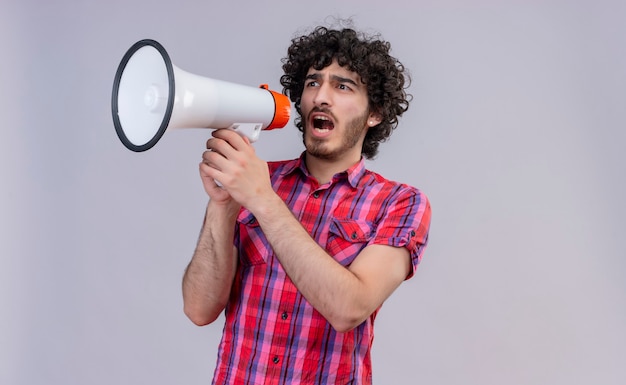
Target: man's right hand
211	186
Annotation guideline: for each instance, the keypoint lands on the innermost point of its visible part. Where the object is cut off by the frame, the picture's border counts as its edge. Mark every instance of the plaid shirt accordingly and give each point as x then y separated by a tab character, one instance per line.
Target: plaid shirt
272	335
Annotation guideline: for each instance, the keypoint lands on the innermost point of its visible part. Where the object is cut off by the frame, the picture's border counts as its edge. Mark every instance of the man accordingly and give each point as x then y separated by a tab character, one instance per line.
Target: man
301	254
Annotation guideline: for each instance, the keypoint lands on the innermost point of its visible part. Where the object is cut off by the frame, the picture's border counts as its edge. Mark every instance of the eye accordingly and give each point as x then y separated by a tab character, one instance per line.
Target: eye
344	87
311	83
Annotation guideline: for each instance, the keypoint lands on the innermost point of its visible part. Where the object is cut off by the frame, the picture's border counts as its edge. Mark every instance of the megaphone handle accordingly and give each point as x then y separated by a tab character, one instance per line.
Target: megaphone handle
249	130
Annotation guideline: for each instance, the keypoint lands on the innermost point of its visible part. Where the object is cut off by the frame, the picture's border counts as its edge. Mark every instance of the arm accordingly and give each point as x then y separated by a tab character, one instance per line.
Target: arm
344	296
209	276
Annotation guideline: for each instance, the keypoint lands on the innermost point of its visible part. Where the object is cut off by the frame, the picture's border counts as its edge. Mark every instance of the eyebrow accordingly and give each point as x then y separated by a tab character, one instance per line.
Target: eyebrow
336	78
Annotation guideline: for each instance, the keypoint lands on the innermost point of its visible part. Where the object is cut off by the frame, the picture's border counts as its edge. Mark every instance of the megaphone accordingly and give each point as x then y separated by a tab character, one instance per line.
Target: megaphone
151	96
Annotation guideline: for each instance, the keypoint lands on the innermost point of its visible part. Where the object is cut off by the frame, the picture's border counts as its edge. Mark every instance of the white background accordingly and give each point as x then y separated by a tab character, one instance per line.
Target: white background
516	133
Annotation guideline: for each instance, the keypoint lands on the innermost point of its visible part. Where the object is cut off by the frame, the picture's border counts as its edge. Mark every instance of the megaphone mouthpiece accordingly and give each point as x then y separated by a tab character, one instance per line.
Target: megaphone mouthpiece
152	96
282	110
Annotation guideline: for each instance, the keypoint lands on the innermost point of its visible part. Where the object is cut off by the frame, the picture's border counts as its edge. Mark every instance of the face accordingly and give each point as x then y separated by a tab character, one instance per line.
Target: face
335	113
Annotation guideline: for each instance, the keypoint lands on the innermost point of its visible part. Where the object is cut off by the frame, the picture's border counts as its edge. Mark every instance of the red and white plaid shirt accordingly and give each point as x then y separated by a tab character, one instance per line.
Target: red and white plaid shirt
272	335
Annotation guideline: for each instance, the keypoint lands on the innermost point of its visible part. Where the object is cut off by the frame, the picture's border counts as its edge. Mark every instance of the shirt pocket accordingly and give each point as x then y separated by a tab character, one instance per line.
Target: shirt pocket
347	237
251	242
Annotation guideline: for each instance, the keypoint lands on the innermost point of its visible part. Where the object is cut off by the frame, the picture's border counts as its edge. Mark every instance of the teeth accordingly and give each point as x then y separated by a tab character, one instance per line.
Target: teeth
322	123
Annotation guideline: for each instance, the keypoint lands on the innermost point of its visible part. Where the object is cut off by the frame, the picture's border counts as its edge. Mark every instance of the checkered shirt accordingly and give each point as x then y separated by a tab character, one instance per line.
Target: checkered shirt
272	335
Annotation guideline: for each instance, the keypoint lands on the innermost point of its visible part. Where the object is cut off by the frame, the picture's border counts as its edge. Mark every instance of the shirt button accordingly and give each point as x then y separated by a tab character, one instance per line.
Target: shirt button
316	194
353	235
276	359
412	233
284	315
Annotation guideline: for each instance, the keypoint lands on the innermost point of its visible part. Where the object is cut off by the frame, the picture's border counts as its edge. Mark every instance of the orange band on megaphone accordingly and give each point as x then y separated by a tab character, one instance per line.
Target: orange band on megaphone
282	109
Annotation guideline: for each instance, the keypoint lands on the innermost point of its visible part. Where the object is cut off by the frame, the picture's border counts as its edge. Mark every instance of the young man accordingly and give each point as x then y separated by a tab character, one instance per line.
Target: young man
301	254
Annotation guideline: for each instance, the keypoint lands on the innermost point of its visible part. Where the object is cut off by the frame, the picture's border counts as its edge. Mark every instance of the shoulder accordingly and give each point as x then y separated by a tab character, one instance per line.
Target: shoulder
393	190
282	166
400	205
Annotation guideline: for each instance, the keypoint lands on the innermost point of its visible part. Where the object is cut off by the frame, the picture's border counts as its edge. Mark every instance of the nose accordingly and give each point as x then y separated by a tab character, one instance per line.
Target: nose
322	95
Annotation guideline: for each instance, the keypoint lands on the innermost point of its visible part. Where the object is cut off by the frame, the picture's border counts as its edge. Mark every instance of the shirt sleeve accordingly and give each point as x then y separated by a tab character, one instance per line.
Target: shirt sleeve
405	223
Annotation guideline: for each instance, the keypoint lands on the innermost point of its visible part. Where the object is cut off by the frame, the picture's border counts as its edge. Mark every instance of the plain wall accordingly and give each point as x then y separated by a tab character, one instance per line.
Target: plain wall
516	133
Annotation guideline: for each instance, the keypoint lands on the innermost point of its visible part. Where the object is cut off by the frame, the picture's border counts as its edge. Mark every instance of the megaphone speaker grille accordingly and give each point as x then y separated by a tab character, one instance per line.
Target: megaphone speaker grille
143	95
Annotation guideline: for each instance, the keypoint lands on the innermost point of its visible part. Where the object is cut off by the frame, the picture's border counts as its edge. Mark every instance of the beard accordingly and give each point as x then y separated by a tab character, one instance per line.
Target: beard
320	148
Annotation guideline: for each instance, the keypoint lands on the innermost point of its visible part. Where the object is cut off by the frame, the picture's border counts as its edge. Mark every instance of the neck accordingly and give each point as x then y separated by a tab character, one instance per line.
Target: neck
324	169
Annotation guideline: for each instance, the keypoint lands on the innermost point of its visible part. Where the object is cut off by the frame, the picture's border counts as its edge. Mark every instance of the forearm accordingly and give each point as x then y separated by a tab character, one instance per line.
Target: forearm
208	278
333	290
344	296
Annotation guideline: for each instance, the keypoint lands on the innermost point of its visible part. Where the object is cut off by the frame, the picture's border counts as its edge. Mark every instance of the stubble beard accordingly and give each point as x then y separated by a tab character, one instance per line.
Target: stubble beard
319	148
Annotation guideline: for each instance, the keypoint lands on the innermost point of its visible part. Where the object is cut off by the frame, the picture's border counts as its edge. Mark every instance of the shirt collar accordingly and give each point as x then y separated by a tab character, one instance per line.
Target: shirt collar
354	174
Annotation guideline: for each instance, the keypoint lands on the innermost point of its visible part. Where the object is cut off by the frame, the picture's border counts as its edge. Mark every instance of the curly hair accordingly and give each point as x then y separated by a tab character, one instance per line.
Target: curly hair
384	76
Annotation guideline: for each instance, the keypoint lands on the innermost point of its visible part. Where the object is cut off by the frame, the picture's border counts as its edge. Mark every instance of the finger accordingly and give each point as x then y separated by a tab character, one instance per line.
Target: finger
218	161
210	158
235	140
212	186
210	173
222	147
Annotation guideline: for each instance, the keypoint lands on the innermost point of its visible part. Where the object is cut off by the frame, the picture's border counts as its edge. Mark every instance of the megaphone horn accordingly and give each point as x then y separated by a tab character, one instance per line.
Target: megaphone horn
151	96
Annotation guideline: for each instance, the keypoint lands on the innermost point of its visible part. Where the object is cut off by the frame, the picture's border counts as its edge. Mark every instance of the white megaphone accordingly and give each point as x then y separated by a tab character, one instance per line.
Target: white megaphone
151	95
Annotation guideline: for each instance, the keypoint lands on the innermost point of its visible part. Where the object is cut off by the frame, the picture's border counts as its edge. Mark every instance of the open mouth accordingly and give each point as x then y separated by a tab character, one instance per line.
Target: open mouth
322	123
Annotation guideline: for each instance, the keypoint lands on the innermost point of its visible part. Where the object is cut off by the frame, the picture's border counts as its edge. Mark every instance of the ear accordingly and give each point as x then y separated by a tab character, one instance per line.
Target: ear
374	119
